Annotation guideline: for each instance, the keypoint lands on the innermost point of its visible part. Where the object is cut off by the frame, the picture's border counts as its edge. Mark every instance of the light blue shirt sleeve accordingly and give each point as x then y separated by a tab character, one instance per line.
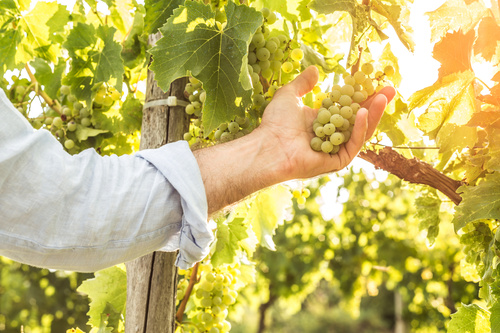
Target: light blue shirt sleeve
86	212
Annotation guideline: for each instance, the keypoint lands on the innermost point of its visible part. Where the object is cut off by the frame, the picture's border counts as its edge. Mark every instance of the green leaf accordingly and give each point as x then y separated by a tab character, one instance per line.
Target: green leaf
228	236
312	57
83	133
452	137
428	206
131	113
133	53
289	9
158	12
192	42
470	318
479	202
495	317
267	211
9	40
108	286
397	16
50	80
37	42
109	63
455	15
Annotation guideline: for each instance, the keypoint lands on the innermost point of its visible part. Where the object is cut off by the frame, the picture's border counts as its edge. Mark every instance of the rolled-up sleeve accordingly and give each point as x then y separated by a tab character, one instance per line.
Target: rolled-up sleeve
86	212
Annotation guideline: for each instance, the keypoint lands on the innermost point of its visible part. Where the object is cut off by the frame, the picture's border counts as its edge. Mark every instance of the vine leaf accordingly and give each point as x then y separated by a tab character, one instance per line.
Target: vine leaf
493	131
289	9
428	206
50	79
193	43
488	39
397	16
109	286
454	15
454	52
479	202
470	318
229	235
495	317
157	13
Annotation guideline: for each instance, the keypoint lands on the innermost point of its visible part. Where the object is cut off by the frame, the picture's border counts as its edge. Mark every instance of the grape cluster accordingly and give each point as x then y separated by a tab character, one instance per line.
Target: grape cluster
301	195
215	292
337	109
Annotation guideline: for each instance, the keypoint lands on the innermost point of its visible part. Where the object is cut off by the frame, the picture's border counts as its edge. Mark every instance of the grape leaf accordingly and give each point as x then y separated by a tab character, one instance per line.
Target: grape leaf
454	52
267	212
8	46
50	80
428	206
470	318
289	9
158	12
83	133
454	93
109	63
454	15
37	42
485	118
388	58
229	234
452	137
108	286
495	317
397	16
192	42
493	164
134	52
479	202
488	38
396	123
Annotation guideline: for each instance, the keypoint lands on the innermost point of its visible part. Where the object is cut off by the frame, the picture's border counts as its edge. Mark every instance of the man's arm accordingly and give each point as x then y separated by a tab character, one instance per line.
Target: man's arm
278	150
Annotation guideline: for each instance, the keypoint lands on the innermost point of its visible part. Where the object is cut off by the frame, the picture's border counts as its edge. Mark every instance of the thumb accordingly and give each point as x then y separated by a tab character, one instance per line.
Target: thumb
304	83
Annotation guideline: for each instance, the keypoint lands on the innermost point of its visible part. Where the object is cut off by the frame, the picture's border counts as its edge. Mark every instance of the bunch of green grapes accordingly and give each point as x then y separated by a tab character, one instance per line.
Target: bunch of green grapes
19	96
301	195
268	57
215	292
337	112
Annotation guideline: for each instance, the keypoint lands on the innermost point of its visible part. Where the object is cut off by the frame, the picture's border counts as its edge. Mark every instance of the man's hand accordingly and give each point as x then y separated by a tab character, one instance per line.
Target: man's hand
278	150
288	124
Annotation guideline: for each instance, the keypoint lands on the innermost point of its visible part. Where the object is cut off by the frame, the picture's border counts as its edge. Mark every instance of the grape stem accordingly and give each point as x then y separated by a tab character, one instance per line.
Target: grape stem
192	281
50	102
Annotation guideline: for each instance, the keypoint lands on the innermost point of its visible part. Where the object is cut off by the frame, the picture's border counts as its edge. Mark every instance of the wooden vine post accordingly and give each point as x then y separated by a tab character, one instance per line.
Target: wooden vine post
152	279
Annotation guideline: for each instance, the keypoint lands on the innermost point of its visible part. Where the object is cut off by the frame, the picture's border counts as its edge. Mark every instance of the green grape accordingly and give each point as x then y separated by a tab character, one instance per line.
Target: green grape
217	300
258	99
203	96
190	109
358	97
223	126
379	75
326	147
389	70
108	101
349	80
226	136
57	122
334	110
345	125
345	100
260	42
228	300
283	39
271	46
319	131
66	111
326	103
267	73
187	136
359	77
306	193
297	54
84	112
265	12
206	285
77	106
296	194
335	95
347	135
329	129
20	90
347	90
335	150
68	144
252	58
196	104
287	67
48	121
316	124
115	95
72	98
206	302
346	112
71	126
263	54
214	330
337	138
189	88
278	55
256	69
271	18
337	120
355	107
218	134
193	98
99	98
36	124
323	116
352	120
206	317
85	122
65	90
367	68
264	64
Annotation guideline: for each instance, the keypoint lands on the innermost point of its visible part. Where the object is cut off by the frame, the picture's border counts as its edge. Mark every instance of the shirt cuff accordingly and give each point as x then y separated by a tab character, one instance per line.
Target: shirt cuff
179	166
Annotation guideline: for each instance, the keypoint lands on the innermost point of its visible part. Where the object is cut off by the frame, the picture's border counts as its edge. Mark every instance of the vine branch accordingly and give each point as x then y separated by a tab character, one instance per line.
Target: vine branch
192	281
413	171
50	102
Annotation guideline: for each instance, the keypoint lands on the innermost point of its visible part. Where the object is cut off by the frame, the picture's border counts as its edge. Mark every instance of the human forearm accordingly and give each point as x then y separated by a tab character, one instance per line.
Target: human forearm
236	169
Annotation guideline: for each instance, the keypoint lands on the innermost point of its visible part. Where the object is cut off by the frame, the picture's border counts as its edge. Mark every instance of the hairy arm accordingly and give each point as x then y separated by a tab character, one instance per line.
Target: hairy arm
278	150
